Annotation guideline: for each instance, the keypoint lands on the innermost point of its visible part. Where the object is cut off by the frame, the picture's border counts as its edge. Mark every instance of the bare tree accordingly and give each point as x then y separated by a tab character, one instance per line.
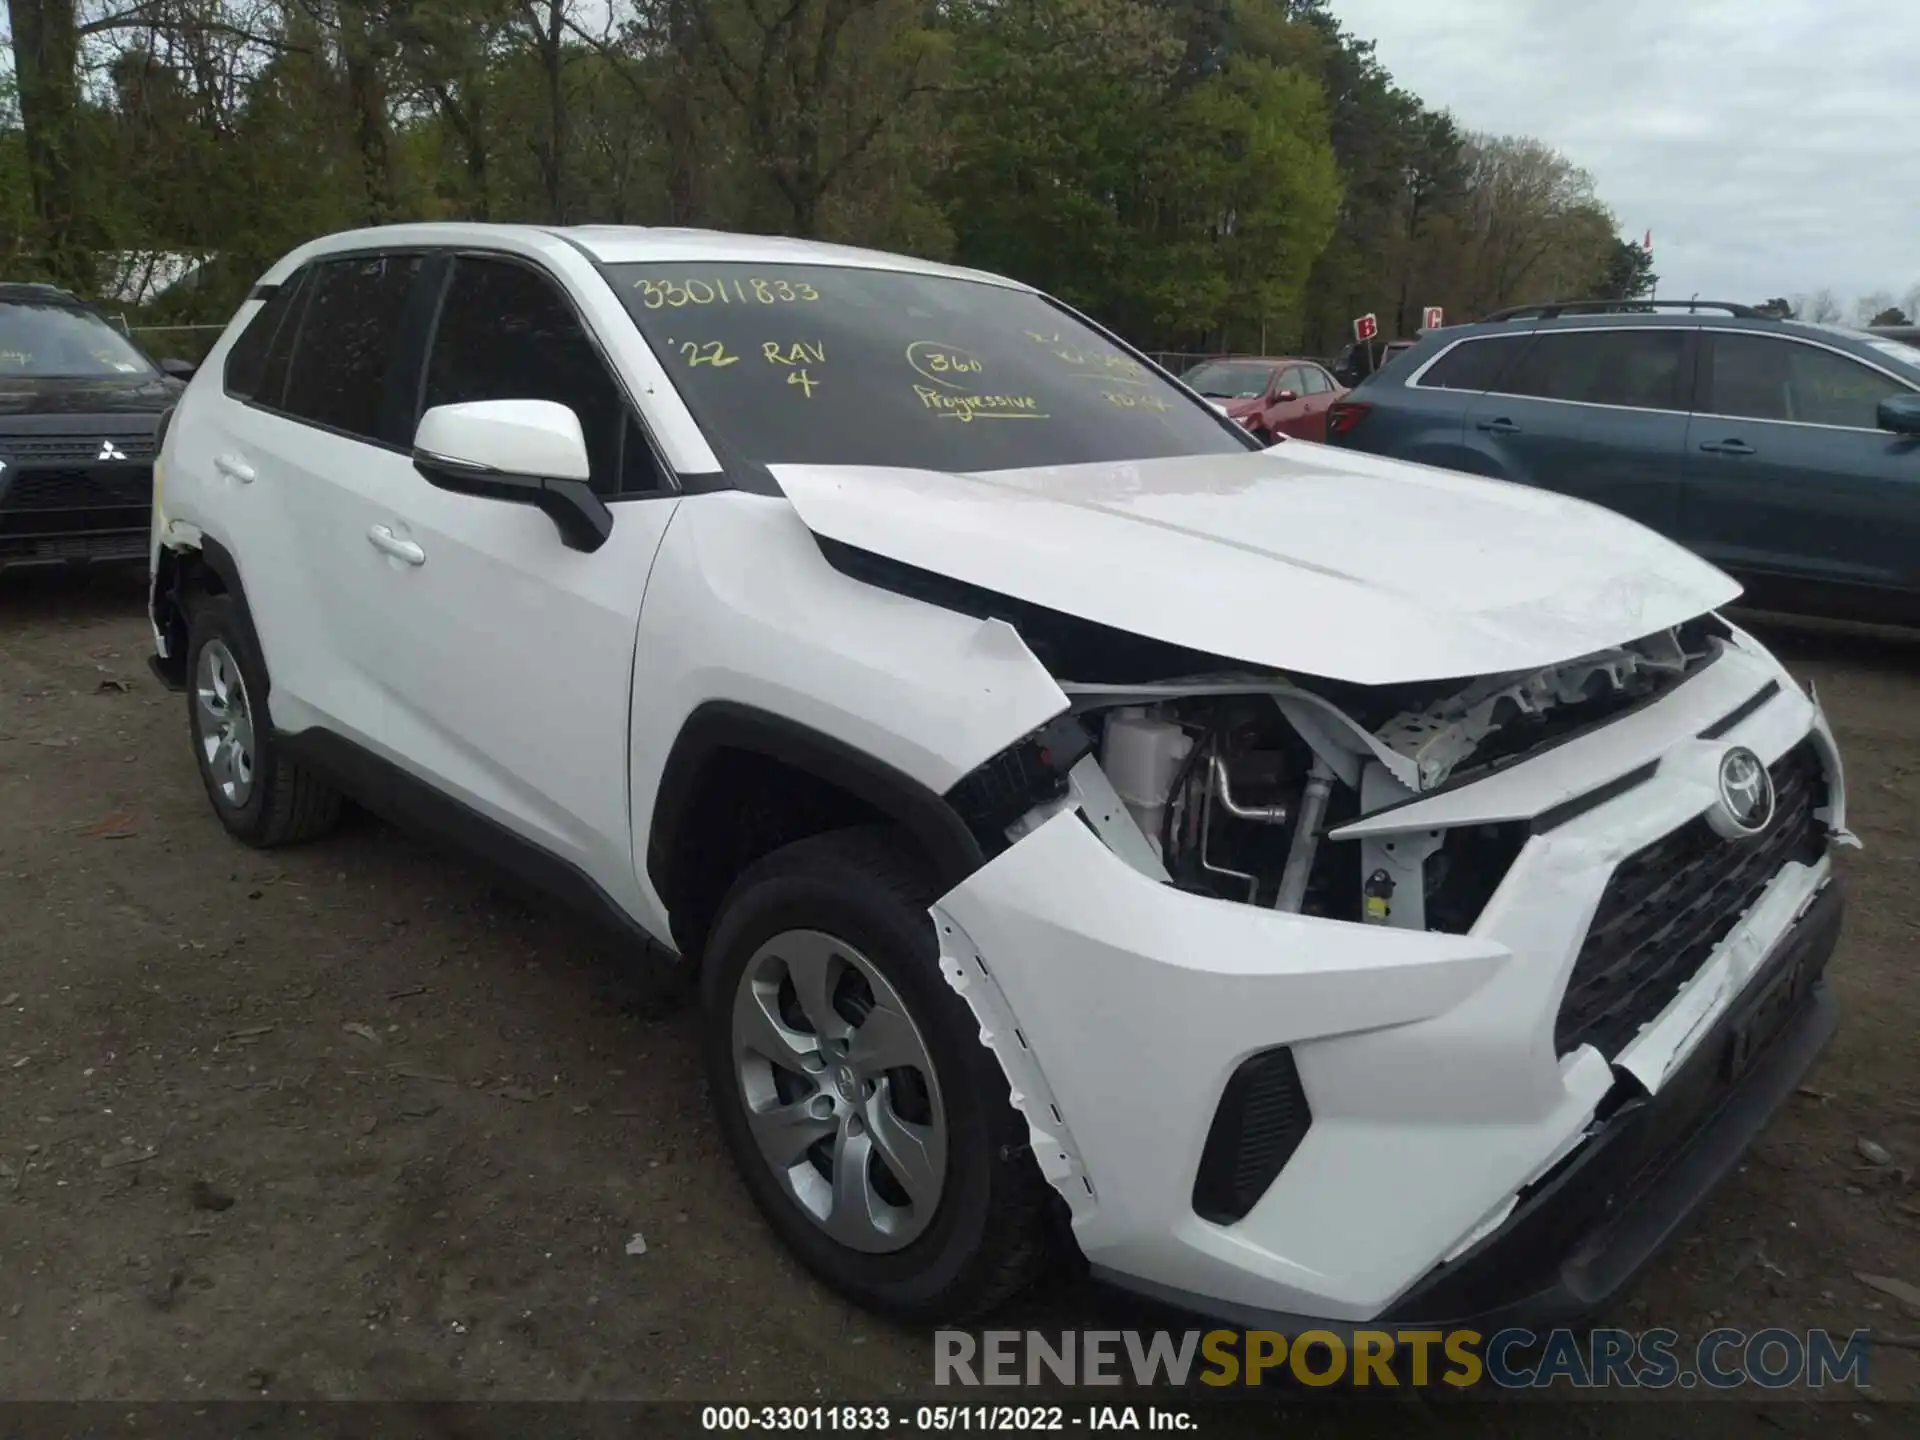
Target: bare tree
1868	306
1532	209
1819	308
544	26
787	65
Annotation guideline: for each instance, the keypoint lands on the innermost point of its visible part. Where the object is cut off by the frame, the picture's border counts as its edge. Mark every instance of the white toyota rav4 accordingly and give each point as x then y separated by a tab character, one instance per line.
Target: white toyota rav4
1333	888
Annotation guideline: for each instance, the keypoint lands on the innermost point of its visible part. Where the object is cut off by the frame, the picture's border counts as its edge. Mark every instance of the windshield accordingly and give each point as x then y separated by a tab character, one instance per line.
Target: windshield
39	339
830	365
1230	379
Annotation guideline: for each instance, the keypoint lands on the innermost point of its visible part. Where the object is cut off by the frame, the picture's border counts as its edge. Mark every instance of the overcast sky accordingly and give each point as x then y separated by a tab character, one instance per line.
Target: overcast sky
1772	146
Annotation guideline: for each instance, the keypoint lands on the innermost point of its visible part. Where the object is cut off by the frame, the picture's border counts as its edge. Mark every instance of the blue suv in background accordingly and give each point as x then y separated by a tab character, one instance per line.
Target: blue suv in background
1786	453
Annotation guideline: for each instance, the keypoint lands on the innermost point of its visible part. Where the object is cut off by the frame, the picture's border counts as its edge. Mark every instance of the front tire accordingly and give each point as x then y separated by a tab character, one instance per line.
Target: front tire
263	797
872	1128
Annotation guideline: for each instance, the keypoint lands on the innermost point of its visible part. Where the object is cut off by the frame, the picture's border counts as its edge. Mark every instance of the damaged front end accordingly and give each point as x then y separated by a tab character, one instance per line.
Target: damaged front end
1313	992
1231	784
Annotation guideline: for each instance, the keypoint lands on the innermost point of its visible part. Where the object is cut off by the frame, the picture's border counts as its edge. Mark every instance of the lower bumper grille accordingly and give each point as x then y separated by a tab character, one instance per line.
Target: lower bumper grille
1262	1118
1669	905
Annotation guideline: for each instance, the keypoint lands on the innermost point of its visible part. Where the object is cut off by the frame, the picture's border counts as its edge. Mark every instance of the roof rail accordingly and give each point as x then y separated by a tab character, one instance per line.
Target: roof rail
35	290
1554	308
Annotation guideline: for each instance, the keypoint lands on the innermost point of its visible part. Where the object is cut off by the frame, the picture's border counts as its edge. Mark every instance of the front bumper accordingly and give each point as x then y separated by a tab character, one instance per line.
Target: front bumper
1581	1234
1445	1126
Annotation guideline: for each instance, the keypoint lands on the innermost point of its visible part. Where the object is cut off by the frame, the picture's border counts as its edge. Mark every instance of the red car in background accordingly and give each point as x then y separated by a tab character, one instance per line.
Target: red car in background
1271	397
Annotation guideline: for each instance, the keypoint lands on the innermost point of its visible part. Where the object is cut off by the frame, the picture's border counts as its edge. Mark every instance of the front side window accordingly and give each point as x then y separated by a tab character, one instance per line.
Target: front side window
1474	364
52	340
1229	379
506	332
1315	380
1639	369
339	372
793	364
1760	378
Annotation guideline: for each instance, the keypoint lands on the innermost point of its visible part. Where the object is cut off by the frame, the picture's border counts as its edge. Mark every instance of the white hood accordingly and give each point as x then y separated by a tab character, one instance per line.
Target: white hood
1300	558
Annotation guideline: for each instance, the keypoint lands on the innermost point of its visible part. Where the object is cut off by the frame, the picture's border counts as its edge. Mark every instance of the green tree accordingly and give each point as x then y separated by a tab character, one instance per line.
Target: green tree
1629	274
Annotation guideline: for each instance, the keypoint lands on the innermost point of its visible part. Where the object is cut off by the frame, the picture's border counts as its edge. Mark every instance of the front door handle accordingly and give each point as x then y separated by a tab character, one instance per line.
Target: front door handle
1727	447
1501	426
389	543
234	468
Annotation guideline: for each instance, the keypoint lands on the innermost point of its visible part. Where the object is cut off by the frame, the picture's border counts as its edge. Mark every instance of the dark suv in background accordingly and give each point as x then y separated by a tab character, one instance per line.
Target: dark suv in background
1786	453
79	405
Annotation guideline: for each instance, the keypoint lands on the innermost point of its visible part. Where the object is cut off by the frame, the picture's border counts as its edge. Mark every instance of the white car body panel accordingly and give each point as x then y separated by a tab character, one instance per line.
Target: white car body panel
1317	561
509	686
300	524
742	607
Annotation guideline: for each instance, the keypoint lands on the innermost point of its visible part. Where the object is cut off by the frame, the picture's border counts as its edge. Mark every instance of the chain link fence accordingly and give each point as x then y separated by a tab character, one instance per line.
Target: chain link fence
175	342
1178	362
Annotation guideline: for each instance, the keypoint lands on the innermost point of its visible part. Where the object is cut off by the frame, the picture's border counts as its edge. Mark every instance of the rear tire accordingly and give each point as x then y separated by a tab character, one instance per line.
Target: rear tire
263	797
831	1036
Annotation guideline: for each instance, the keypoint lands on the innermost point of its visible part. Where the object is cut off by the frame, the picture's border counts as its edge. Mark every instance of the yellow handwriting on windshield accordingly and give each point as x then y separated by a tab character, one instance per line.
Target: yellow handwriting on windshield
800	352
1135	402
739	290
706	352
946	365
1091	364
968	408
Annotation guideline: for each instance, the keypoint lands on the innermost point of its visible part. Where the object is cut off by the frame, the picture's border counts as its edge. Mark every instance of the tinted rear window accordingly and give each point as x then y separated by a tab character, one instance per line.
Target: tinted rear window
1473	364
831	365
246	374
1639	369
340	366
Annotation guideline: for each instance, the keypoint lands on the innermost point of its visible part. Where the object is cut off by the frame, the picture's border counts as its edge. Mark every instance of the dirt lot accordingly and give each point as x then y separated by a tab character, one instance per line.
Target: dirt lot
344	1121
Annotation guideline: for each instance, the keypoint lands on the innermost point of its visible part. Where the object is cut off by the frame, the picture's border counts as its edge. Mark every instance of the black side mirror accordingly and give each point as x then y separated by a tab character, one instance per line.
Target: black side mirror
1900	414
581	517
178	369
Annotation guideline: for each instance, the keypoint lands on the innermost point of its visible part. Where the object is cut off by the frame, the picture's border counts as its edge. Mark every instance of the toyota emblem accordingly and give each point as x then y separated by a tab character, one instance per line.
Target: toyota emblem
1745	803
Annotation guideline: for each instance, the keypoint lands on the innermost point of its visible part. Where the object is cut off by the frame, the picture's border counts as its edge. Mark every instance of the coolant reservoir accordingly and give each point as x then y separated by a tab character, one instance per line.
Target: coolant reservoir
1142	758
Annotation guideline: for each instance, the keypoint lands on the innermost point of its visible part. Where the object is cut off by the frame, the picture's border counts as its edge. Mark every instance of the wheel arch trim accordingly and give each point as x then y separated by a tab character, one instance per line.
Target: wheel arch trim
717	726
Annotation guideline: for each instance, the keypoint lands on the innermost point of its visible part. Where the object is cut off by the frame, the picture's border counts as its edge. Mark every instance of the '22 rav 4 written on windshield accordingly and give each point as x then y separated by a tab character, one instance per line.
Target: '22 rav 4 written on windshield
827	365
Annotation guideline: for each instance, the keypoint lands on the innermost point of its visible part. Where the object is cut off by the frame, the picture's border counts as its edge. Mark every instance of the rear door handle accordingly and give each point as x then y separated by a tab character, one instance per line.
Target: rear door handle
234	468
1727	447
1502	426
389	543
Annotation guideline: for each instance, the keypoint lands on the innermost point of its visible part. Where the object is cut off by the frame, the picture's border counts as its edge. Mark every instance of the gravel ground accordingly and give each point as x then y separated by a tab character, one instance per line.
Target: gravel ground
346	1122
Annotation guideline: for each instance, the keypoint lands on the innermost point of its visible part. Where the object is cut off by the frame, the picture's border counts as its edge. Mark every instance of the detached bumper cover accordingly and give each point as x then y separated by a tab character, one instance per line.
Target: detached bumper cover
1582	1233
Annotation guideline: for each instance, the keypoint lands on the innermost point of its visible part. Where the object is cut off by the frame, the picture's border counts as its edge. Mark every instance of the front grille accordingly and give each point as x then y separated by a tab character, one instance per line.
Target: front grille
100	545
71	449
1669	905
1262	1119
79	489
